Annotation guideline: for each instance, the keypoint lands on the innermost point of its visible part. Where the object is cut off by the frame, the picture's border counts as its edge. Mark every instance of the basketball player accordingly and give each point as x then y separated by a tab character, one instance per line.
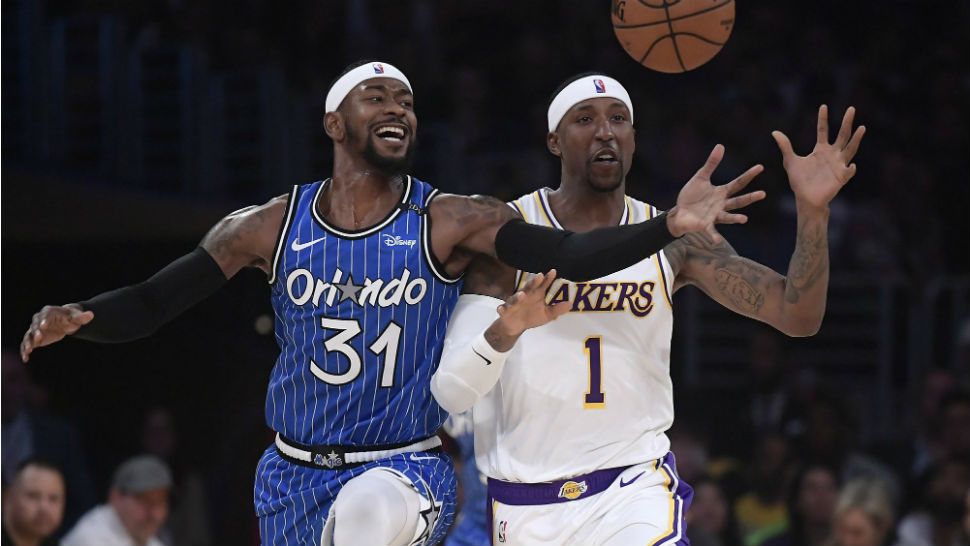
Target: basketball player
363	271
470	527
569	425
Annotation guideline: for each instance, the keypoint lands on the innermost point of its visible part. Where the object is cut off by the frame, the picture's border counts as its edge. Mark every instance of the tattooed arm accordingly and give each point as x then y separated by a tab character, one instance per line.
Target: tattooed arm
794	304
246	237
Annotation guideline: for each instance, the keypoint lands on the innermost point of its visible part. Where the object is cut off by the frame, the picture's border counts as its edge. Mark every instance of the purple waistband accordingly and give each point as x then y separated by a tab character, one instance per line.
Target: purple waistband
579	487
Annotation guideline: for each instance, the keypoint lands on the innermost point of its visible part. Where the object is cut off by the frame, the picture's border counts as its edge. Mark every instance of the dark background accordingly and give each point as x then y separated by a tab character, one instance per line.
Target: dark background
129	128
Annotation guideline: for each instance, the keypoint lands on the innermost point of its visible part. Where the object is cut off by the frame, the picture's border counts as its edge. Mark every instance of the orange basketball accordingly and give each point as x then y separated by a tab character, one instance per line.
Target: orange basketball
673	35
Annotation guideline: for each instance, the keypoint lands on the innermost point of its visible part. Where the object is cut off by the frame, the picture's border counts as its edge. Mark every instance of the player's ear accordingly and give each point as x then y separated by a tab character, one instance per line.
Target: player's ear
552	142
333	124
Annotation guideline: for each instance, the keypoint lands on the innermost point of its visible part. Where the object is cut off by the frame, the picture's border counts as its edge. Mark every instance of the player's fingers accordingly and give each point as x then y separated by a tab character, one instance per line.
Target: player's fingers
853	146
850	172
746	177
712	162
784	144
25	347
731	218
559	309
741	201
713	235
845	130
823	124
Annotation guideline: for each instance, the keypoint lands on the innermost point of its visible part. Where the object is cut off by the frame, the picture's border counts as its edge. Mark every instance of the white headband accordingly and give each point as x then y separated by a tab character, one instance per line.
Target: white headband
587	87
352	79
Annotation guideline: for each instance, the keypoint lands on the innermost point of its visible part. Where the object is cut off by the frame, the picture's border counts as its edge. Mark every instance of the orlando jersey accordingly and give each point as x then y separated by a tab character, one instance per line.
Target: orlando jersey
592	389
360	321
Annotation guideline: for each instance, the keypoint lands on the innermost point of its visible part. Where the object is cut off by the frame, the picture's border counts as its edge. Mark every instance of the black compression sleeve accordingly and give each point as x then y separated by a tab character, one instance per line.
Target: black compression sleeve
137	311
580	256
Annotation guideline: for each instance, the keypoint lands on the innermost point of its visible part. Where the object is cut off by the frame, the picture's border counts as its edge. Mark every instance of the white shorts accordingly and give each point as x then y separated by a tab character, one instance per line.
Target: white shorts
641	505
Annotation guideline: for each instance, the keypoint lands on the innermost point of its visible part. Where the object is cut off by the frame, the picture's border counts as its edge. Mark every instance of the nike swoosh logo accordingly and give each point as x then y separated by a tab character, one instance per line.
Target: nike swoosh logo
414	457
487	361
298	246
635	478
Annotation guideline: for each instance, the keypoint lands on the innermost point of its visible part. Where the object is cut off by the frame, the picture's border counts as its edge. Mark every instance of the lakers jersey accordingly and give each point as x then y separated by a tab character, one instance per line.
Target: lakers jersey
360	321
592	389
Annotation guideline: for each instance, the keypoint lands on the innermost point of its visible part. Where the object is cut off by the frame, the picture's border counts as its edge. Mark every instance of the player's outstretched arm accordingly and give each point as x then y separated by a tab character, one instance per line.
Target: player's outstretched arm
243	238
472	359
794	304
465	226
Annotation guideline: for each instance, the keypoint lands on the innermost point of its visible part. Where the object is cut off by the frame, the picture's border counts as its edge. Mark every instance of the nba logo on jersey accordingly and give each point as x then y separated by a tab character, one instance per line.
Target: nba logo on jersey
600	86
378	68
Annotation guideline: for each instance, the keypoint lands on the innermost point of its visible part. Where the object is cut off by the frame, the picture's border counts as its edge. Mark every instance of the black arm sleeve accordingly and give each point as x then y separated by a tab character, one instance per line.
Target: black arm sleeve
580	256
137	311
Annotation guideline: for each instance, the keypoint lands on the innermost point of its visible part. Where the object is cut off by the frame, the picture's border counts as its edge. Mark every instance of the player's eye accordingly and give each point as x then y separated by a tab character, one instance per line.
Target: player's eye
619	117
407	104
375	99
585	119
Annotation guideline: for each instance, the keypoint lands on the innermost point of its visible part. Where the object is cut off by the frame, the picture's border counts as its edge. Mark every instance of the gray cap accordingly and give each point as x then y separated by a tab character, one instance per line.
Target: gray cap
142	473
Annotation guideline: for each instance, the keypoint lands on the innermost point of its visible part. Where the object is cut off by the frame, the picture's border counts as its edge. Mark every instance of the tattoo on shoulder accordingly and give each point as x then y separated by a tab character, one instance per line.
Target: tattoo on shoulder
481	210
224	239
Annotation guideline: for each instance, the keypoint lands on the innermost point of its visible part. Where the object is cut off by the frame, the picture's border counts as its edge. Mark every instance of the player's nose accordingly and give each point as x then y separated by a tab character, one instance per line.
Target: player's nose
604	131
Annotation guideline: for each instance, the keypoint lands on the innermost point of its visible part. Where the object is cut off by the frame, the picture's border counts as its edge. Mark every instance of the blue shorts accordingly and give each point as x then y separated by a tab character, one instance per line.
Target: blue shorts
293	501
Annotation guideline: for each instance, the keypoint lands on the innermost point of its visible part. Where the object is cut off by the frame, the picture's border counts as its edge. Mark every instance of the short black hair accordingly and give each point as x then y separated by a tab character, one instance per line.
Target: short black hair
39	462
570	80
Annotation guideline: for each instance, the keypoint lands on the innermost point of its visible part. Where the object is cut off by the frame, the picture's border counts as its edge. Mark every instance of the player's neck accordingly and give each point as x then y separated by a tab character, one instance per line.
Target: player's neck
20	538
359	196
579	207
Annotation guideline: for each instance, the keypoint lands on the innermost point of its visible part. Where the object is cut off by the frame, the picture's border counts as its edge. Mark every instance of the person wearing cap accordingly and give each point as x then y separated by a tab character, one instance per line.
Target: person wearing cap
364	272
136	510
33	504
570	416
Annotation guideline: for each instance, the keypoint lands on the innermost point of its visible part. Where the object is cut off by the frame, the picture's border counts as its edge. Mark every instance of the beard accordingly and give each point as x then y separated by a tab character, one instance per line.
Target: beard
388	166
605	185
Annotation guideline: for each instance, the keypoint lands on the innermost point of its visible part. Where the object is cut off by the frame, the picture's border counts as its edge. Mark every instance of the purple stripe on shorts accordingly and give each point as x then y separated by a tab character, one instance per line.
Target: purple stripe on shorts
579	487
683	496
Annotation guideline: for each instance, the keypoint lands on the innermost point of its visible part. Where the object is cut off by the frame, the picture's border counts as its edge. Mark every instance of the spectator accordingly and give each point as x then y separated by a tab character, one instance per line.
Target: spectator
709	520
761	511
938	521
863	514
811	505
33	505
188	523
136	510
28	433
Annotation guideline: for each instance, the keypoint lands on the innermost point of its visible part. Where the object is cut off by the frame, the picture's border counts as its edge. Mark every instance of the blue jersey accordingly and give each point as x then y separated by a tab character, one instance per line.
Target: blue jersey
360	321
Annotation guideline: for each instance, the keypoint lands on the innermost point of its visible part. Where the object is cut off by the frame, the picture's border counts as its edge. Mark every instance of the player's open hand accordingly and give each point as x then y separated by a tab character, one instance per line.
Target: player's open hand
817	178
527	308
701	204
51	324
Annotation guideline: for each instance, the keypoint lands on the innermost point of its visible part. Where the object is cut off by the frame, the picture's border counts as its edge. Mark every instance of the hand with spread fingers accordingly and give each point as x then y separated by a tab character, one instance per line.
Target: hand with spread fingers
51	324
817	177
701	204
527	308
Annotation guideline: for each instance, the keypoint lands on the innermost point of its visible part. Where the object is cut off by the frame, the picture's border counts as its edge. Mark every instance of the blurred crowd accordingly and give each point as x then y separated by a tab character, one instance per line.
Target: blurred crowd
781	462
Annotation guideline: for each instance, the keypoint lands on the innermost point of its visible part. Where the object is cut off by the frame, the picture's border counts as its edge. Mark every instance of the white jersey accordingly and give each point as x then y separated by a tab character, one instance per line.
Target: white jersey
591	390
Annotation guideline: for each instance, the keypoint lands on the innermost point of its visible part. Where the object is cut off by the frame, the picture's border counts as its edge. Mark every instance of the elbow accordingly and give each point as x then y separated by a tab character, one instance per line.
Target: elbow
450	397
802	328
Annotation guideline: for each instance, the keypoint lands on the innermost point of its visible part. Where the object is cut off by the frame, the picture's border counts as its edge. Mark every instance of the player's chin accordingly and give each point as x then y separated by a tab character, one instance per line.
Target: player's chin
605	177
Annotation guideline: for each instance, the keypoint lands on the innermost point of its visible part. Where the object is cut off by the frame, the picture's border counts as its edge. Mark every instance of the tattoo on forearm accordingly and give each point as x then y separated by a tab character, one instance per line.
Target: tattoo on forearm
482	210
810	261
742	293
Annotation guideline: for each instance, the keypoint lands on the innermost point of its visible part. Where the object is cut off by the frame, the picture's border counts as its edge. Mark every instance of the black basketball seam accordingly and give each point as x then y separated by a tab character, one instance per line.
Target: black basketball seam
649	49
673	40
699	37
678	18
663	3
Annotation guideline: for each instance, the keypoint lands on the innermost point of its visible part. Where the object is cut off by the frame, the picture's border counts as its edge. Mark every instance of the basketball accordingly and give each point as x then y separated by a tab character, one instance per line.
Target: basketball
672	35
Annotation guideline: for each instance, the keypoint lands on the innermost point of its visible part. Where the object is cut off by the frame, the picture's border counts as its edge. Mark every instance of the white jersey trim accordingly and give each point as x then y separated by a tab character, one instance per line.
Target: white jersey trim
284	232
405	196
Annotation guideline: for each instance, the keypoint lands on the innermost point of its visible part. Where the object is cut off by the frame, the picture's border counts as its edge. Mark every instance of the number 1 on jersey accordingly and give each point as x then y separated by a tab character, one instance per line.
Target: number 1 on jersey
595	397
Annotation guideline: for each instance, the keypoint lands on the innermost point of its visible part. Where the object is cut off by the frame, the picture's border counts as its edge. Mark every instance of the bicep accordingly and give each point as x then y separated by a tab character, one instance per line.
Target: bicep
246	237
737	283
469	223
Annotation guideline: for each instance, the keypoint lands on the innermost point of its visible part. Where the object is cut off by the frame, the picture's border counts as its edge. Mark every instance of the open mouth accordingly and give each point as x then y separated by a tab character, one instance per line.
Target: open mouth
606	156
391	132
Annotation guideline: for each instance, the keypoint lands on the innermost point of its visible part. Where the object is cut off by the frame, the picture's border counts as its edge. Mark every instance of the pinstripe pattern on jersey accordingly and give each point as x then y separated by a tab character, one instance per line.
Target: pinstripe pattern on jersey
372	295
